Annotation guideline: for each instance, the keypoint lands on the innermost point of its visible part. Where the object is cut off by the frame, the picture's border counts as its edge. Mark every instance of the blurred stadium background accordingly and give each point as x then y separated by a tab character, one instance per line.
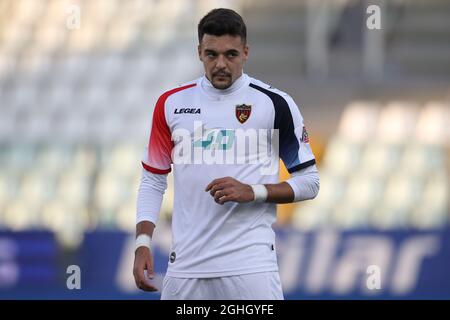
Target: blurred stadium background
78	81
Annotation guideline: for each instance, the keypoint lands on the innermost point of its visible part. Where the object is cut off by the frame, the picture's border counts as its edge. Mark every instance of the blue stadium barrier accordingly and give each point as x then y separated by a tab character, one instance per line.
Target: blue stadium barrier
322	264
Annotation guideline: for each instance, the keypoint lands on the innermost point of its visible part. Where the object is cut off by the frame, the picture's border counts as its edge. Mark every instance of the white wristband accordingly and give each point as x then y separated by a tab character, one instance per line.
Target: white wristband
260	192
143	240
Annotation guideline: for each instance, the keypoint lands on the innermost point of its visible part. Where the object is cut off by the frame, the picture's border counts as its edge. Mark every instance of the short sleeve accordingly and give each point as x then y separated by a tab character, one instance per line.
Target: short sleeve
295	150
157	156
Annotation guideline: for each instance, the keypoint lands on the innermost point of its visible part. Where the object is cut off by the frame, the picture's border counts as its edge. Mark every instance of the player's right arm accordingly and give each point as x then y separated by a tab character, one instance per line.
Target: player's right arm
143	259
156	165
150	196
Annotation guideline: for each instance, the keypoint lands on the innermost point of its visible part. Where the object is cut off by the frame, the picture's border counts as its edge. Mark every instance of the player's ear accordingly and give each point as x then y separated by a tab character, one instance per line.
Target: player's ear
199	50
246	51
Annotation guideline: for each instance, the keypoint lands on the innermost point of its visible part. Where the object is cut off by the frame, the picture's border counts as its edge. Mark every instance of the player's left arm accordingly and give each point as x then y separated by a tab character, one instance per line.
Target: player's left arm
229	189
303	185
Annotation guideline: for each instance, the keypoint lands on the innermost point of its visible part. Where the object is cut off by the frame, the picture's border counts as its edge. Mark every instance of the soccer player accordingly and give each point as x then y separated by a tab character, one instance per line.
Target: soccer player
223	244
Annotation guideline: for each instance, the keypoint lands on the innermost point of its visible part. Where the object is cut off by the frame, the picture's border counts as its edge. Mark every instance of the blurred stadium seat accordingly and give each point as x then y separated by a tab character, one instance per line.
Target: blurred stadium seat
394	178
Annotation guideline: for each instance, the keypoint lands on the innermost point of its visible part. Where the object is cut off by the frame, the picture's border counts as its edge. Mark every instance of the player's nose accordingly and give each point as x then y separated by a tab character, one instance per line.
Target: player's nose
220	62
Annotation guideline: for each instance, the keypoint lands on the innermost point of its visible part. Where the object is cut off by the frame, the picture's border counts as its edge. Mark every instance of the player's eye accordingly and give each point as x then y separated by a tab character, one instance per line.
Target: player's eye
211	54
232	54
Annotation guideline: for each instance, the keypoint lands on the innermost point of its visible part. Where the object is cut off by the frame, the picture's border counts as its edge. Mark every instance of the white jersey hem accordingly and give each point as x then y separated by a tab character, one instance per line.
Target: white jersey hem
202	274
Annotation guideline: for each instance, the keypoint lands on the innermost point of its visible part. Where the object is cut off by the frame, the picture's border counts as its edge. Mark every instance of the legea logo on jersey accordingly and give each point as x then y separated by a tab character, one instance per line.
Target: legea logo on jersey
187	110
227	146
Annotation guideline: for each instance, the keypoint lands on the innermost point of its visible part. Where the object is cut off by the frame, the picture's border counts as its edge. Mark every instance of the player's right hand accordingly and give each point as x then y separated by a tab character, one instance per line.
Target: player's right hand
143	261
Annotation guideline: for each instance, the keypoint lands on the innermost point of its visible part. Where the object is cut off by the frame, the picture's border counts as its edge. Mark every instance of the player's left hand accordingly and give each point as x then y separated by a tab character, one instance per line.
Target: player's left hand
229	189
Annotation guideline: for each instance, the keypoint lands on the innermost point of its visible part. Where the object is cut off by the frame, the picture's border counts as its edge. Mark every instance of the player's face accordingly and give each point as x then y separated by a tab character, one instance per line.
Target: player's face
223	58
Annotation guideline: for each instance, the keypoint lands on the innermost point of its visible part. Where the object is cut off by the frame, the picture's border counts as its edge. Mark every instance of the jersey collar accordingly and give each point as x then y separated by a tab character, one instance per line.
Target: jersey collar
219	94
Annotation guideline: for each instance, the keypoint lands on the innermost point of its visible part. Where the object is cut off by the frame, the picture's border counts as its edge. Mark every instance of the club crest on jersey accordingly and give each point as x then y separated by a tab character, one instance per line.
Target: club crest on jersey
243	112
305	137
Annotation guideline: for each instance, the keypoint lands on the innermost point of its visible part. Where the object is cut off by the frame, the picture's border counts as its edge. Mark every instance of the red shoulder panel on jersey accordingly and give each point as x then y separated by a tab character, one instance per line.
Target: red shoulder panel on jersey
154	170
160	143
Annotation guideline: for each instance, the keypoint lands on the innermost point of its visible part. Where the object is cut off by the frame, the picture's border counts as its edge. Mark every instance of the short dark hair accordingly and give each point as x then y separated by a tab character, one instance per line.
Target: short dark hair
219	22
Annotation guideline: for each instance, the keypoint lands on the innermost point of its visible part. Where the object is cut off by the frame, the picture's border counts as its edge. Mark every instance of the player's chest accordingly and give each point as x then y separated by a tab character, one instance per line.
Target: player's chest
231	114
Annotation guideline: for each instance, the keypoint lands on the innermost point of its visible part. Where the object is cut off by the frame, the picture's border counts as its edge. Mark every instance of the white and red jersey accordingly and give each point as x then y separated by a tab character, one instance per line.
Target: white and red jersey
208	239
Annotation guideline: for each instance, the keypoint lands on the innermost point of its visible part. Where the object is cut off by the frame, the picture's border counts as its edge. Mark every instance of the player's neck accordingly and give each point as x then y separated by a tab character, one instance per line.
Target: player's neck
236	85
